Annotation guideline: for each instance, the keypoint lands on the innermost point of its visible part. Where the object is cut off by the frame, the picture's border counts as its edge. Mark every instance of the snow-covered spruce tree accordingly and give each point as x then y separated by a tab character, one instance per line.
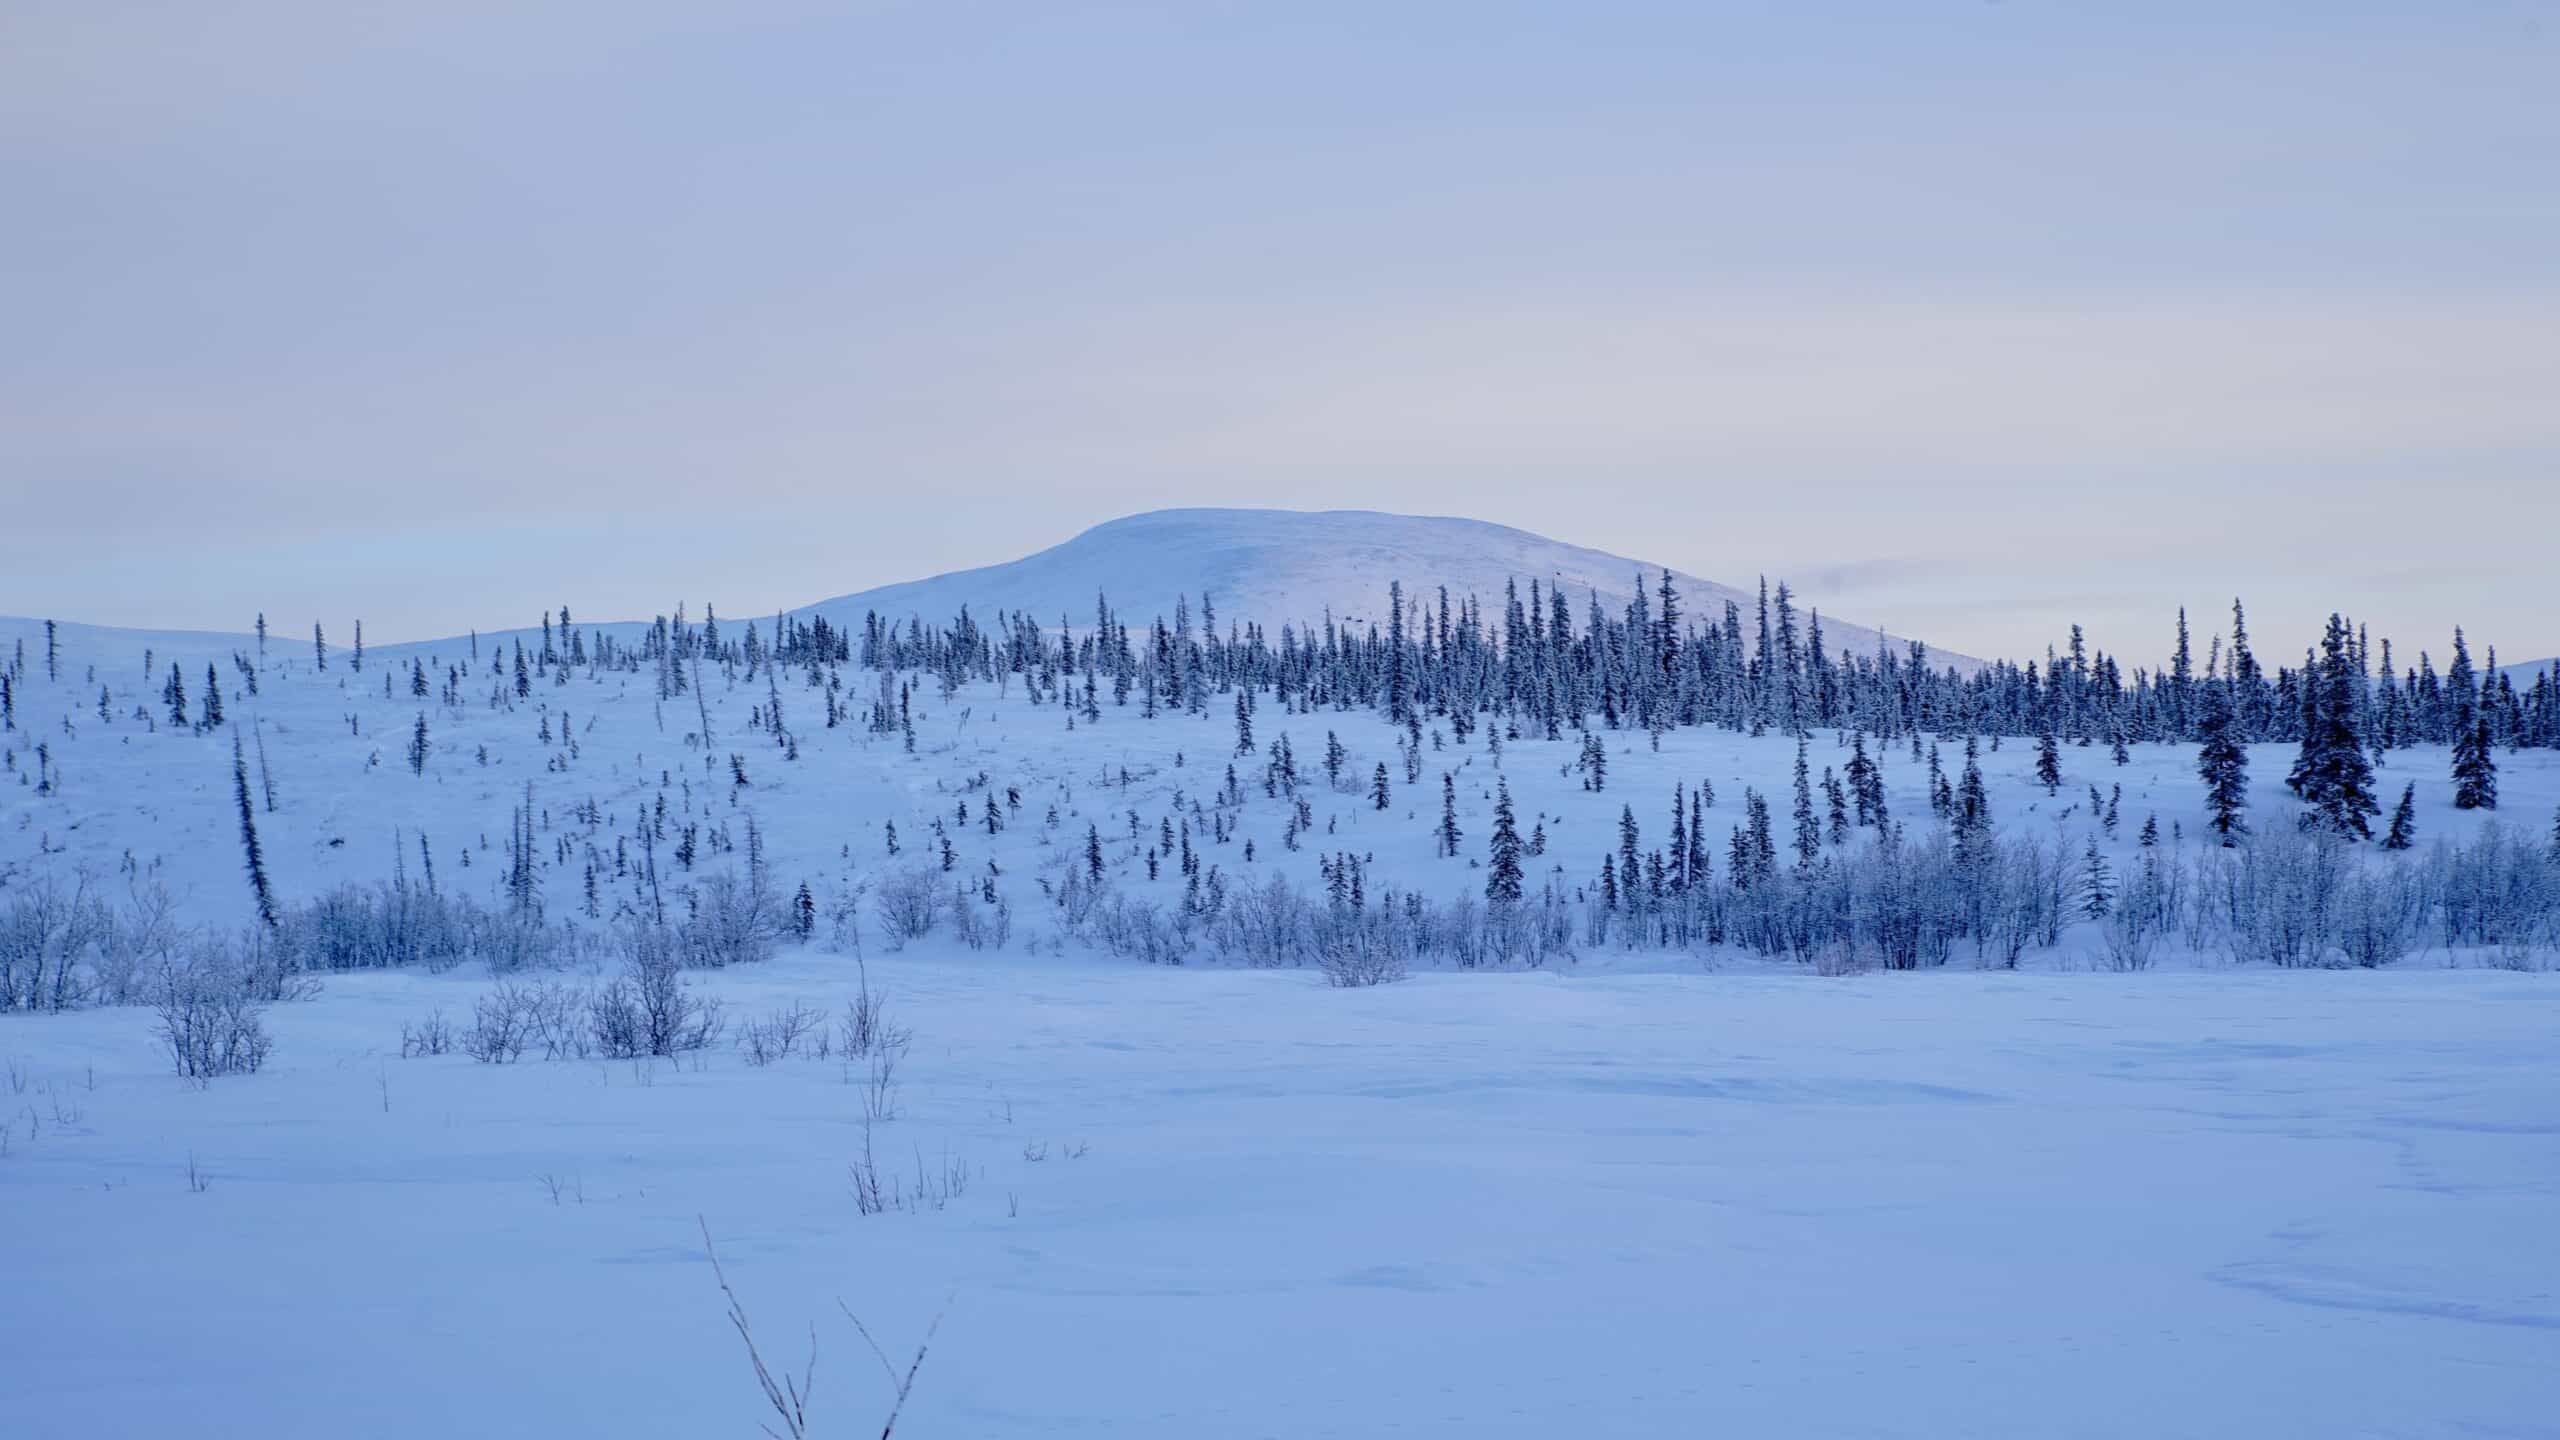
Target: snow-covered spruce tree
2048	759
1378	794
2223	763
2475	769
257	860
2404	820
1808	829
2331	772
418	747
1448	833
1502	874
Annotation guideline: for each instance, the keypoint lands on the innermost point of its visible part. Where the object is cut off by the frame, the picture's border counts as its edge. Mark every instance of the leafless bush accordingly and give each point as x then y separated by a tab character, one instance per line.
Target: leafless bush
49	936
779	1033
880	1084
844	918
501	1027
907	904
870	1192
1355	959
211	1024
649	1010
865	1025
431	1036
788	1396
735	920
979	924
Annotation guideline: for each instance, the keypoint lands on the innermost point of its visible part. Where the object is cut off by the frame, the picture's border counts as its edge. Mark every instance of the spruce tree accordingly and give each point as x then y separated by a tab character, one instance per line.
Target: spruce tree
1808	829
2404	820
1448	833
2223	763
418	747
2097	882
1502	877
2048	759
2475	769
249	837
2331	773
212	708
1378	787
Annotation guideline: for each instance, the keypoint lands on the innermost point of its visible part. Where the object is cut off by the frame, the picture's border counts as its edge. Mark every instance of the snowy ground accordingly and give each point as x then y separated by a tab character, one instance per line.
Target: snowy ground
1660	1194
2241	1203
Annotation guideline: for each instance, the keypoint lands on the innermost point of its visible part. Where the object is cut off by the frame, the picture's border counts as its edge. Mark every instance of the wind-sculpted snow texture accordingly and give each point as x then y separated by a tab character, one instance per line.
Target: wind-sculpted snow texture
2240	1203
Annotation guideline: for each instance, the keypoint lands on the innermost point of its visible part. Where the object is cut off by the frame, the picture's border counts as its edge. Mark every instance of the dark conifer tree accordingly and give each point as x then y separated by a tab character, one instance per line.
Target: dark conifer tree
175	692
212	707
2048	759
1448	832
1378	787
2475	767
257	860
418	746
1808	829
2404	820
1502	877
2331	773
2223	763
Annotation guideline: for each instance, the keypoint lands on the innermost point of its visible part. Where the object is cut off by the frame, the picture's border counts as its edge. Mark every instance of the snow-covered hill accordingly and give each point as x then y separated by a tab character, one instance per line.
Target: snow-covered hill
1276	567
1294	566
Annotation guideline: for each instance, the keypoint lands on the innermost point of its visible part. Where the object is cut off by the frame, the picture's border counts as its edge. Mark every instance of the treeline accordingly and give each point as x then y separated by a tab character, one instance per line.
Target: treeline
1649	666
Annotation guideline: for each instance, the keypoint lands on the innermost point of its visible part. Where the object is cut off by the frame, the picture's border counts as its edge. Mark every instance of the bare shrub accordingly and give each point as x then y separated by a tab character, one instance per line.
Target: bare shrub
779	1033
49	936
907	904
735	920
865	1026
1354	960
648	1009
500	1028
788	1397
979	924
880	1084
431	1036
211	1023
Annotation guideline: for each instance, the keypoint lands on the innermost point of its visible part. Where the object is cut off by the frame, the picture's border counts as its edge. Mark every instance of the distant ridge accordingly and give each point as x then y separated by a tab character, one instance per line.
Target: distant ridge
1293	567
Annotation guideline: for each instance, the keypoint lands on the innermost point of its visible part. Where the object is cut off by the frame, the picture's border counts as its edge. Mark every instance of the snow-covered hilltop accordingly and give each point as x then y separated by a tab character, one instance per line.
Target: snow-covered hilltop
1282	567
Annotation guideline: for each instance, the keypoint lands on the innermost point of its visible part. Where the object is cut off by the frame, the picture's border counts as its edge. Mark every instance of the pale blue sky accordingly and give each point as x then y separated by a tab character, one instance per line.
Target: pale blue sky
1973	318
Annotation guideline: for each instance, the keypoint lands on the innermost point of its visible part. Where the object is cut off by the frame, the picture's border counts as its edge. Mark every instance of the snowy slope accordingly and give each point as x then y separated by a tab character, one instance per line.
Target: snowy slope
1293	566
1273	566
1635	1194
